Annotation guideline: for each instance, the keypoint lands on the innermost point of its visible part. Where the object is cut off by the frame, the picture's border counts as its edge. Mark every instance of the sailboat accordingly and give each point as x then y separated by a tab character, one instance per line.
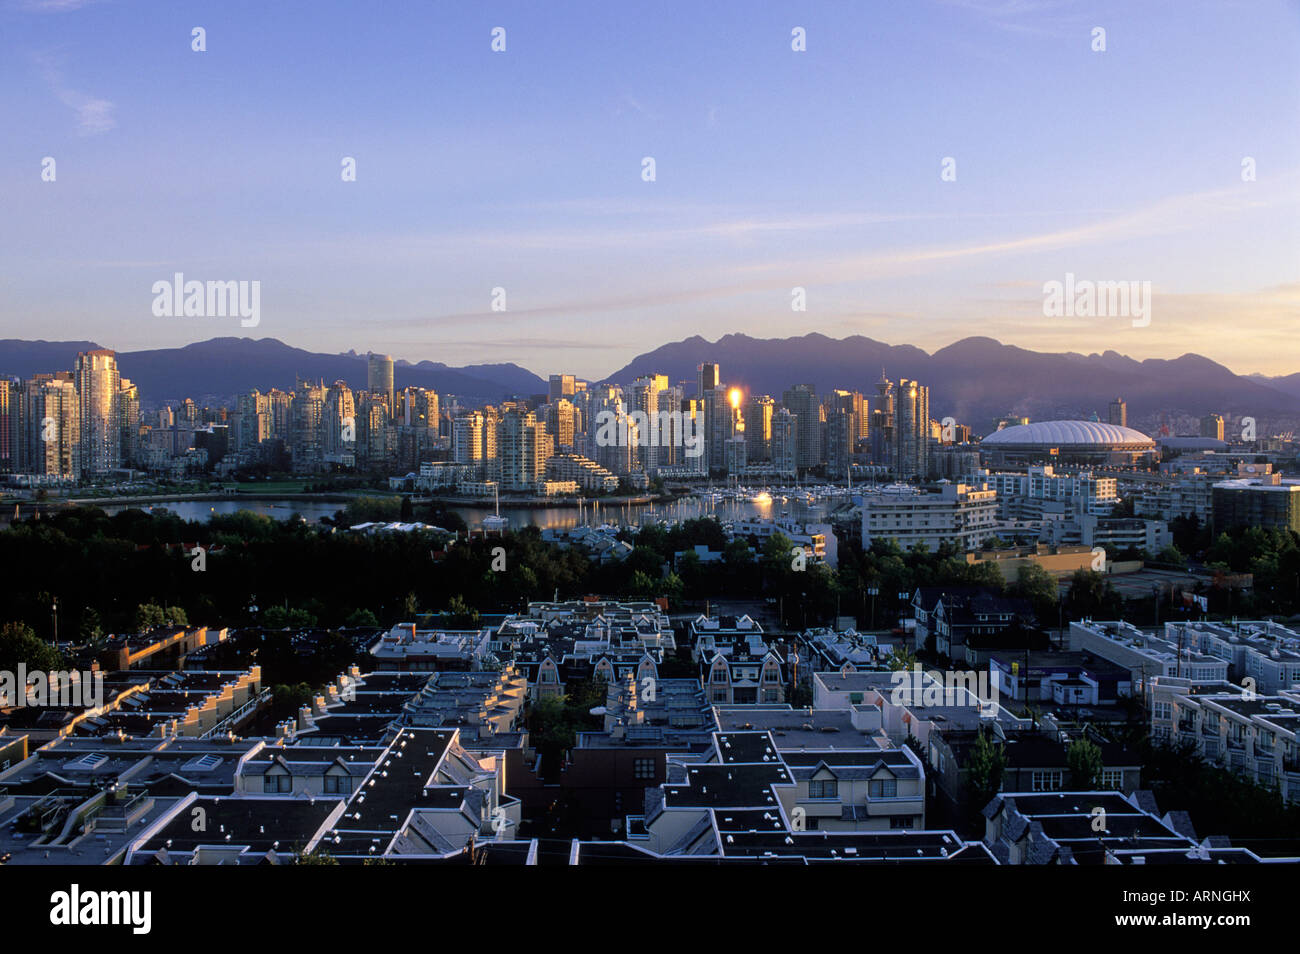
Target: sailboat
496	521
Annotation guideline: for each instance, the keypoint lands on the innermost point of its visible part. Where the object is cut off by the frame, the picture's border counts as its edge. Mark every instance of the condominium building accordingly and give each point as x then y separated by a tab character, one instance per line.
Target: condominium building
1022	496
1261	654
307	413
785	443
759	410
99	388
51	427
912	430
961	514
1254	735
523	449
1266	501
1145	654
587	474
801	401
339	426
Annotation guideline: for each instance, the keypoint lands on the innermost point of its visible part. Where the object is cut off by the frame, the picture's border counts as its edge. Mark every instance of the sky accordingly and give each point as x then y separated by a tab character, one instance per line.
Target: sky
522	170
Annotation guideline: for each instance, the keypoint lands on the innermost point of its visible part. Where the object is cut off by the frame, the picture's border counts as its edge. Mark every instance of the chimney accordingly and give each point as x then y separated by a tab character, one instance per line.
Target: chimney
304	718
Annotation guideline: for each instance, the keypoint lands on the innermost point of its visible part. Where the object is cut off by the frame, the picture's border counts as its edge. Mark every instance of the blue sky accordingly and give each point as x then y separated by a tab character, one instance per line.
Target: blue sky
774	169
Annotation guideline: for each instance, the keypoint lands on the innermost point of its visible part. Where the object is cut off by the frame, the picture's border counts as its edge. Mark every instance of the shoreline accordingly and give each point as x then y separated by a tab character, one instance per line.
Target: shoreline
515	503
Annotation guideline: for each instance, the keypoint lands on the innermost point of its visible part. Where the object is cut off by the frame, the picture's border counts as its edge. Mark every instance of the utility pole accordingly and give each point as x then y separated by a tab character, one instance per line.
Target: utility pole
54	615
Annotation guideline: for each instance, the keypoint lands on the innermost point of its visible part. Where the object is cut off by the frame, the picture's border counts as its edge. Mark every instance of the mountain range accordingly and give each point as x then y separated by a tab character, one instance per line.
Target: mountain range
976	380
223	367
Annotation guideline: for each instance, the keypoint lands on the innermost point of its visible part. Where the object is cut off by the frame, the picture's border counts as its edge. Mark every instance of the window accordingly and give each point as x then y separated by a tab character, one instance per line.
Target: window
277	784
771	695
1112	779
902	821
643	768
883	788
338	785
1049	780
823	788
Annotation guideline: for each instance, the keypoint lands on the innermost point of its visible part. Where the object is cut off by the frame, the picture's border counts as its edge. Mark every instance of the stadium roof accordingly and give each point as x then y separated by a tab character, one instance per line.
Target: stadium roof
1069	434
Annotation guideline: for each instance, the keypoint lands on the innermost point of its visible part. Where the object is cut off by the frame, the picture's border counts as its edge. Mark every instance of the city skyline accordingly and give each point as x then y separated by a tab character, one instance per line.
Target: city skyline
776	169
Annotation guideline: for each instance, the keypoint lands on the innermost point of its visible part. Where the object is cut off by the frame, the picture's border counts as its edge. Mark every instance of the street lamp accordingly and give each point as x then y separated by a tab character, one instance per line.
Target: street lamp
874	591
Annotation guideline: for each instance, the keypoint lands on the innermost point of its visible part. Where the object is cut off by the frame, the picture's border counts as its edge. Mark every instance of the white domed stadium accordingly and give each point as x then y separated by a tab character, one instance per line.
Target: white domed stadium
1075	442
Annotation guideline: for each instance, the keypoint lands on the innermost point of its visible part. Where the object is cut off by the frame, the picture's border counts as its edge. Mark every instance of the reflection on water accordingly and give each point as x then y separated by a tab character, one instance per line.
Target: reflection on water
199	510
589	514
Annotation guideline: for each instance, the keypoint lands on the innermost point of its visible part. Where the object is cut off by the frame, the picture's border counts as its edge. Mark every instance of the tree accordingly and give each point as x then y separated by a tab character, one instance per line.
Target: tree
984	769
1171	554
91	629
901	659
408	511
277	617
286	700
361	617
1083	759
20	644
459	615
410	606
1092	595
149	615
317	857
1040	588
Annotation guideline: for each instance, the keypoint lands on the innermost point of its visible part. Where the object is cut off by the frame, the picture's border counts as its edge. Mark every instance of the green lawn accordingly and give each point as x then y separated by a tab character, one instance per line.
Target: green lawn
272	487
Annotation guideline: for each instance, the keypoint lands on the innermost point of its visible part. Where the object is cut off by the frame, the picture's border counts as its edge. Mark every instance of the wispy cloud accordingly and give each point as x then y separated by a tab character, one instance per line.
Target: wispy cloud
94	115
52	6
1028	17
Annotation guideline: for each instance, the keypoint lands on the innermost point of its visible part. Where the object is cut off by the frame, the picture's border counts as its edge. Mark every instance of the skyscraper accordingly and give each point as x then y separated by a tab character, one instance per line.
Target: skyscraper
52	426
379	378
801	401
707	377
1119	412
1212	426
305	435
339	425
912	429
758	427
561	386
523	448
882	422
785	442
99	408
10	392
129	422
645	398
